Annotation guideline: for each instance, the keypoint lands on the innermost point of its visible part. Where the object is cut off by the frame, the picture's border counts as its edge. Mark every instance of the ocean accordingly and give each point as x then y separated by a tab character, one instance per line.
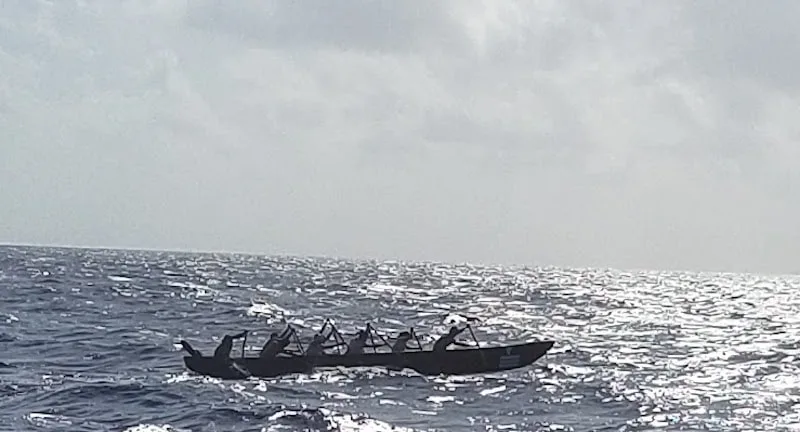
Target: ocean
89	341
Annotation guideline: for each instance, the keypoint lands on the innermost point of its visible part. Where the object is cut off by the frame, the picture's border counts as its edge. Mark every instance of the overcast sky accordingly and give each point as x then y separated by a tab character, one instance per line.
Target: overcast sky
628	134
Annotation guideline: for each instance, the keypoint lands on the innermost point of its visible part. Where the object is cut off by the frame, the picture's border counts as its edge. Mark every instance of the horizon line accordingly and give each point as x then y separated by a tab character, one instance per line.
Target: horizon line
377	260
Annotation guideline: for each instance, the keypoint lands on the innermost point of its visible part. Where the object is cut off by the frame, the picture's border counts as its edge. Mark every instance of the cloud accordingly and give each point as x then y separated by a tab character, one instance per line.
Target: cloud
744	40
630	134
362	25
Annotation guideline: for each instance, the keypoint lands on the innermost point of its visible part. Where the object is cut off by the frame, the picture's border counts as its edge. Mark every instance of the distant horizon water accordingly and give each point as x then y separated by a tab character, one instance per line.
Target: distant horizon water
366	258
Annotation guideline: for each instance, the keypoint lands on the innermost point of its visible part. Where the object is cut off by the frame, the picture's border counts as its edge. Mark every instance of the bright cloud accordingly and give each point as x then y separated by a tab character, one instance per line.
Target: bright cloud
626	134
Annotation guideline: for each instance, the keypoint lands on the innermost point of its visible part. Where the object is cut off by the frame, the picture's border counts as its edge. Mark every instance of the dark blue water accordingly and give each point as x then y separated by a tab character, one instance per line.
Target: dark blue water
89	338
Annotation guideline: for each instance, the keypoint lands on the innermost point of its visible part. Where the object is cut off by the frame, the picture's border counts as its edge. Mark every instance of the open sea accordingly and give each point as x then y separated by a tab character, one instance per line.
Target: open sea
89	342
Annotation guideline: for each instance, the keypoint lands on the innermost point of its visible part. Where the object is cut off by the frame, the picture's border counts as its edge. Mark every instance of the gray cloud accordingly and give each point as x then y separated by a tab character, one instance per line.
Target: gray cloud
630	134
746	40
369	25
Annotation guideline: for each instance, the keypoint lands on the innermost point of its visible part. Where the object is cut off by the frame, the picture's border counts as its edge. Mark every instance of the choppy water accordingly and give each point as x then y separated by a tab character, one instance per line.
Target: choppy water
88	342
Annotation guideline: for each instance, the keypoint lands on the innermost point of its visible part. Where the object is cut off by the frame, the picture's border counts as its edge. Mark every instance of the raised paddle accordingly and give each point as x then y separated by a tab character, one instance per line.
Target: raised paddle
478	345
297	341
339	339
414	333
244	341
371	330
397	354
334	332
325	324
374	330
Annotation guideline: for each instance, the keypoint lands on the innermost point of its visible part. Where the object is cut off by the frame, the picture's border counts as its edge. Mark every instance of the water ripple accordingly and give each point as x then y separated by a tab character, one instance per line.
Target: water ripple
90	343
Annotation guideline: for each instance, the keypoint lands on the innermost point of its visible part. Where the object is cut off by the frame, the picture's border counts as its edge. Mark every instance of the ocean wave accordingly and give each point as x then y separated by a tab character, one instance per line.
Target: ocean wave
90	344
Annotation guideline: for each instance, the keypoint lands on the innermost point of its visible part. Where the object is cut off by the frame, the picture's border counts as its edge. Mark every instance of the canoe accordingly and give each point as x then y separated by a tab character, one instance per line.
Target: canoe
466	361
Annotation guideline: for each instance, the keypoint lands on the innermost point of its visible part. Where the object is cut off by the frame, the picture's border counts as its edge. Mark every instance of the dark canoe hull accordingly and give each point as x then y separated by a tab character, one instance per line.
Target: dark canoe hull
452	362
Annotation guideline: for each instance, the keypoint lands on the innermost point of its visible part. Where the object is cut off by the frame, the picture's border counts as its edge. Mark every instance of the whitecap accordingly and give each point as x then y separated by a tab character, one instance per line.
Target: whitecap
440	399
155	428
494	390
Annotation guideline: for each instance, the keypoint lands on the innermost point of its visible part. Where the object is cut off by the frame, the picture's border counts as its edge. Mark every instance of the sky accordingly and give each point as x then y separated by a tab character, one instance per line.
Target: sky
625	134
